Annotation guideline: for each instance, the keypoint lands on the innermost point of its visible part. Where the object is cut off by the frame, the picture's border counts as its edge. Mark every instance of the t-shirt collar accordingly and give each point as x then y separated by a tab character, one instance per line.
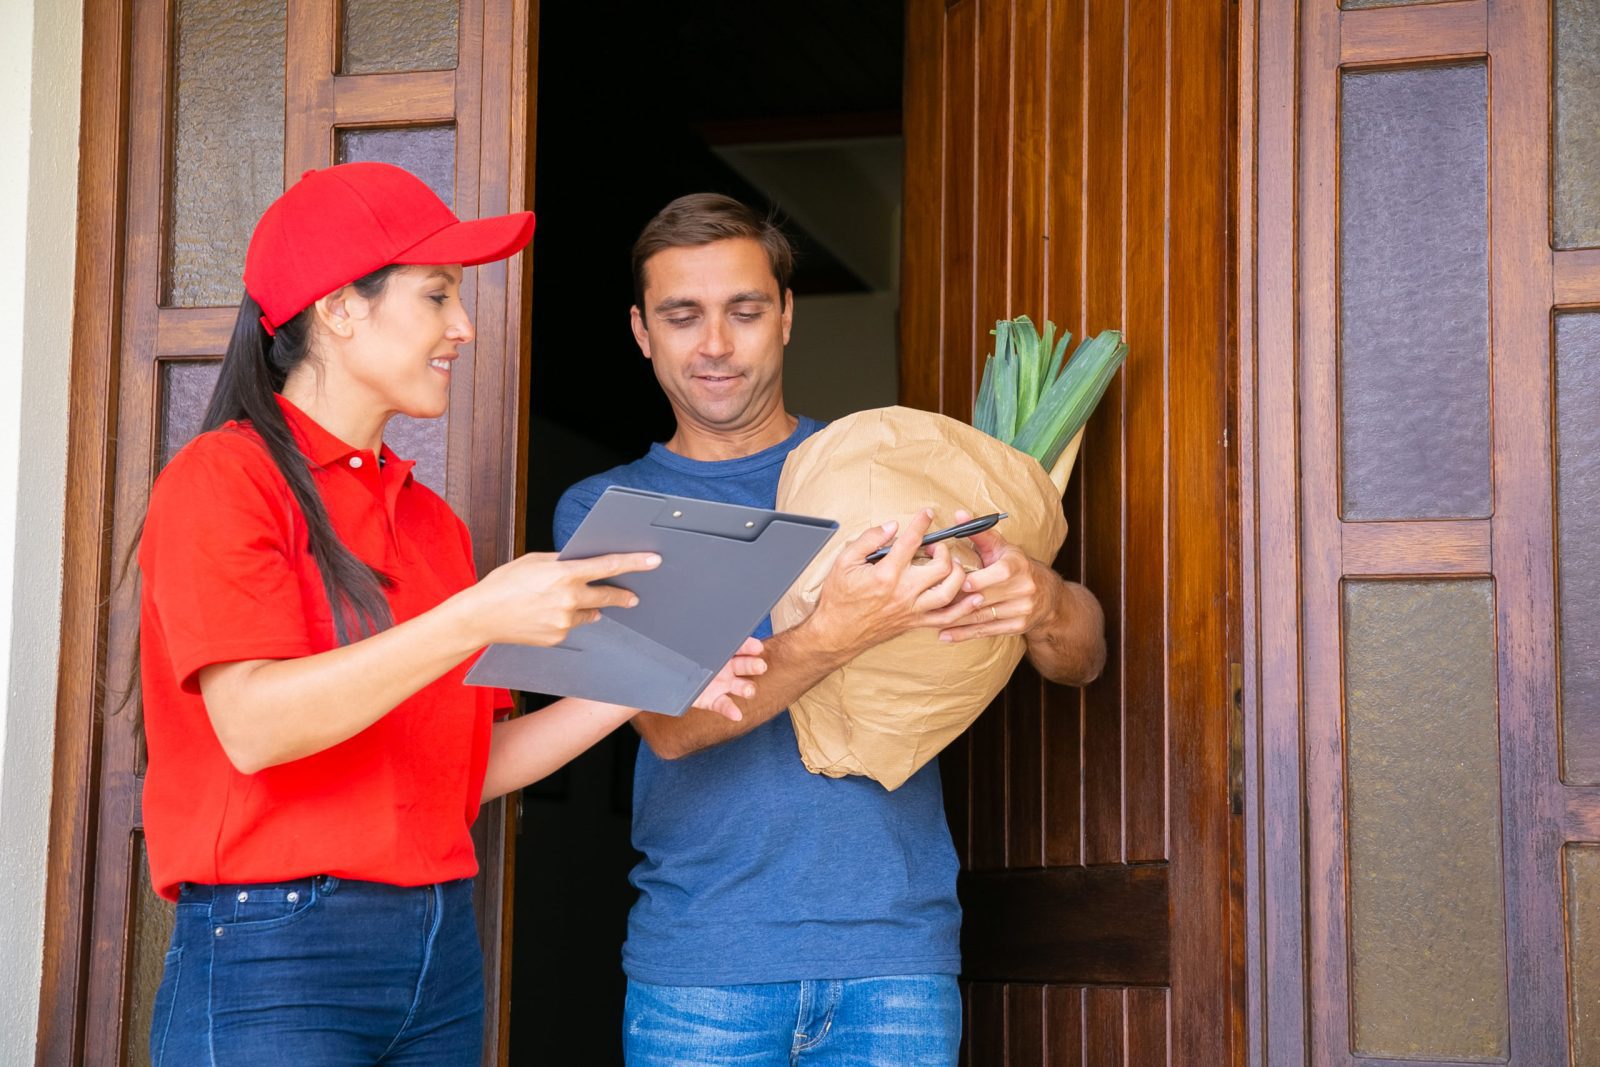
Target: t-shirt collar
324	449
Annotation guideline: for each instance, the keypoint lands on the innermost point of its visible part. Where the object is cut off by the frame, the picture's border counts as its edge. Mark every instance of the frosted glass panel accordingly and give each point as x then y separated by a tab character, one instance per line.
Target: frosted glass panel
1427	907
153	920
382	36
1583	950
186	389
429	152
1575	207
1414	293
422	440
1577	393
227	143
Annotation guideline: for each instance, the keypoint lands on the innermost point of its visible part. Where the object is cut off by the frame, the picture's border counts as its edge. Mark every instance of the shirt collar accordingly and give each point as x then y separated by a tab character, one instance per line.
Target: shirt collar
323	449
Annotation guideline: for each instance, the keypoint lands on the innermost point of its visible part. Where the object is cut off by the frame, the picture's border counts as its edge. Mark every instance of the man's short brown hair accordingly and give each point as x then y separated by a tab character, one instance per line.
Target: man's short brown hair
701	218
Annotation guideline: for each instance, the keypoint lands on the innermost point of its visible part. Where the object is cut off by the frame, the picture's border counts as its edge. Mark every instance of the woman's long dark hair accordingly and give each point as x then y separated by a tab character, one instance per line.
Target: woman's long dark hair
253	371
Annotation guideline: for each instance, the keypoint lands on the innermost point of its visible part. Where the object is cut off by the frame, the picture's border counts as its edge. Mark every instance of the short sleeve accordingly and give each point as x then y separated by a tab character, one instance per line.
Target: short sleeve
217	560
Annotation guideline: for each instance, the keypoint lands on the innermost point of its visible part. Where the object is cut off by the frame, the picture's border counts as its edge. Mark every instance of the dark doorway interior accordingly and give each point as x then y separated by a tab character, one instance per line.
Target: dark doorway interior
794	106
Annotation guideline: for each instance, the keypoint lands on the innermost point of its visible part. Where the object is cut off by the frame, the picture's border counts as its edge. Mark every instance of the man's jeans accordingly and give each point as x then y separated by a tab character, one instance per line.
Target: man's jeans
904	1021
319	972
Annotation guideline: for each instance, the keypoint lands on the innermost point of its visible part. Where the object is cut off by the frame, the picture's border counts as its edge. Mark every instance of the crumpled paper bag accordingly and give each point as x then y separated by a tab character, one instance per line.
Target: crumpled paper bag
894	707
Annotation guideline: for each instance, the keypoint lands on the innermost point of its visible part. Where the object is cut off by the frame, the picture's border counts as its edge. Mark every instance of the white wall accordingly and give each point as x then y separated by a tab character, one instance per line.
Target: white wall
40	81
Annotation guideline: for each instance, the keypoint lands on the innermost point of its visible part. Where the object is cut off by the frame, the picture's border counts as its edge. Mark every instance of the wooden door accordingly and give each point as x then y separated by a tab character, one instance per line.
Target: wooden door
196	114
1072	160
1425	722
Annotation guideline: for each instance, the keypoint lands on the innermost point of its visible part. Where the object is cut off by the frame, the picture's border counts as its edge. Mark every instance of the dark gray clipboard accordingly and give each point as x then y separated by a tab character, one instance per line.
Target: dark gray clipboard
723	568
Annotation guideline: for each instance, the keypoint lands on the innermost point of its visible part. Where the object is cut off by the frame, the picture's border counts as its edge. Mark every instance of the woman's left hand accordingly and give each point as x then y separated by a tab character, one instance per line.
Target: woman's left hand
733	681
1015	599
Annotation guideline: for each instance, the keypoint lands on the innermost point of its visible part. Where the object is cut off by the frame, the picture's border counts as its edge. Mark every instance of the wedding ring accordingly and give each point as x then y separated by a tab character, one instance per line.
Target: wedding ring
994	614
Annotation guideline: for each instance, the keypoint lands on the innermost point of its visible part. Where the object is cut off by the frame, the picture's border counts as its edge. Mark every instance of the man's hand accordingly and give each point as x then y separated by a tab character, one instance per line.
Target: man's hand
865	604
1060	620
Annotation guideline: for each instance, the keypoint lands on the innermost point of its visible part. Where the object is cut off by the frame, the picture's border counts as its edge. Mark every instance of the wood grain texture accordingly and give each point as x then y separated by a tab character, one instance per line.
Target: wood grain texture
1394	548
1577	278
1134	139
1278	1033
1414	31
395	99
191	332
1102	455
1523	527
69	876
1070	924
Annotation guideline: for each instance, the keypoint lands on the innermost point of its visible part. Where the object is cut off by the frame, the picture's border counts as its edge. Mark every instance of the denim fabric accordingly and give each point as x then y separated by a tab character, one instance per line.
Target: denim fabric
321	972
902	1021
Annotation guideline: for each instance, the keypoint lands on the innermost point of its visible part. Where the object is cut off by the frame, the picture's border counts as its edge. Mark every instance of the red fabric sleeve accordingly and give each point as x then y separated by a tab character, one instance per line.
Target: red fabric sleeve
216	559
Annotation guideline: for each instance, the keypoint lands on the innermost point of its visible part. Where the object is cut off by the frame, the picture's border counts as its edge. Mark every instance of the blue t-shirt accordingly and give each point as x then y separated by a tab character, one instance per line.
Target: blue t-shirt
755	869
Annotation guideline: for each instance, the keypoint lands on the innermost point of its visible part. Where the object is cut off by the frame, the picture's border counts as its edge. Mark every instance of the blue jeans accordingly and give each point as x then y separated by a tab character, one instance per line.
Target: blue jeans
904	1021
321	972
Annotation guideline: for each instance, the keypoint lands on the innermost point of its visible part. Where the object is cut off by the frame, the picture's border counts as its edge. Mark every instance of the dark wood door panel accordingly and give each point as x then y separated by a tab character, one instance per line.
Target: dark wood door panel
1105	925
1071	161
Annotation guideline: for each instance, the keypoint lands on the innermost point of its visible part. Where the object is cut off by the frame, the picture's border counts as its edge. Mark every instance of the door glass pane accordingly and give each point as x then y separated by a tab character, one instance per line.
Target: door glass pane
424	441
1583	949
382	36
1575	207
152	935
1427	908
1577	392
429	152
227	144
186	389
1414	293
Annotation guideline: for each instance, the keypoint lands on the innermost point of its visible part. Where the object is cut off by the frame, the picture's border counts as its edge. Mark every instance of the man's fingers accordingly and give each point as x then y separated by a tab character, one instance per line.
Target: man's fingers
867	542
749	666
752	647
910	541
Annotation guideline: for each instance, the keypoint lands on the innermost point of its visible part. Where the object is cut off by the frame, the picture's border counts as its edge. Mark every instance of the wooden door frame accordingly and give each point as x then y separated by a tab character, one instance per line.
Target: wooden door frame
1195	896
499	136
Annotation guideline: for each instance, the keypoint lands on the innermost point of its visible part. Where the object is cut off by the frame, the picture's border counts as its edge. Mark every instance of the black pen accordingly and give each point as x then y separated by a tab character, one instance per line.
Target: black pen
964	529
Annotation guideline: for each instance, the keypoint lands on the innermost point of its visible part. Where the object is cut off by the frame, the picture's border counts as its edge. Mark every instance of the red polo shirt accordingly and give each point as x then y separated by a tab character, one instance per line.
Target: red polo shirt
227	575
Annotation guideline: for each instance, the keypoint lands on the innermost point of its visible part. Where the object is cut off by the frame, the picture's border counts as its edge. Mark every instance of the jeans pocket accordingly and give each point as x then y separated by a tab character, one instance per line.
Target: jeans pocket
267	906
166	999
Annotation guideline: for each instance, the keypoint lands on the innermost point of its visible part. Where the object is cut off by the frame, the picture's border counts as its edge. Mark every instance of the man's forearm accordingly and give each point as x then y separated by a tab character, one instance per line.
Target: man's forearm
1070	647
797	659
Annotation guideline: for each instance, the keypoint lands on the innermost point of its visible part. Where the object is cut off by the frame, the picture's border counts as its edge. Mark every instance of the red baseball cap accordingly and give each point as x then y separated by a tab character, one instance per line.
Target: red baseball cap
342	223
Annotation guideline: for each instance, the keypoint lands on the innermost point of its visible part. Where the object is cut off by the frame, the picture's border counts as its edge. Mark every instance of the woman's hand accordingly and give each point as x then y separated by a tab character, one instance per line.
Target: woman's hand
730	681
537	599
1016	598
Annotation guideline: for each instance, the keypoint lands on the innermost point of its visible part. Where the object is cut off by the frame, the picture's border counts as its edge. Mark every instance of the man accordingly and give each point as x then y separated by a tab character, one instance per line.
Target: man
784	917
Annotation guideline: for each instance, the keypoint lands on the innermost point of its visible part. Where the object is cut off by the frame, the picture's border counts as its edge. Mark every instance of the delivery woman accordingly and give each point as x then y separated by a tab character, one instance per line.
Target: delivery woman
308	613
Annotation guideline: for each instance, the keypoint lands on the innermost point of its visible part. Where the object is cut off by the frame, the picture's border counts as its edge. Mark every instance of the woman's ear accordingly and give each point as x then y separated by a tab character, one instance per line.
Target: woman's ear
339	310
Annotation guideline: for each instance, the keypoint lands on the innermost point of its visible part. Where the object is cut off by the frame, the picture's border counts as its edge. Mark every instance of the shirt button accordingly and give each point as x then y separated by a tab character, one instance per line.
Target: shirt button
355	461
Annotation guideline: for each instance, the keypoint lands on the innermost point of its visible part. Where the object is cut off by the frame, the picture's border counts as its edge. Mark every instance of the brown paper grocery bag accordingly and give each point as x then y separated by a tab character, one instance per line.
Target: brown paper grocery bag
896	706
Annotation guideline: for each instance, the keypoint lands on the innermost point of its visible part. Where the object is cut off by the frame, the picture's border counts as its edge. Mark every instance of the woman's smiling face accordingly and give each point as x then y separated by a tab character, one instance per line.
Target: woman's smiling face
401	346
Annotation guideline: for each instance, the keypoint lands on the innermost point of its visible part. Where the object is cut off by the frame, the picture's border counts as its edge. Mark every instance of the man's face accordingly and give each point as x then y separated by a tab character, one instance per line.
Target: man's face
713	326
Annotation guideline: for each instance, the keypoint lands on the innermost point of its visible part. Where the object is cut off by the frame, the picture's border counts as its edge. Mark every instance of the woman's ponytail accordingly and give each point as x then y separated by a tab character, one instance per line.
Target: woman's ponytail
253	372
